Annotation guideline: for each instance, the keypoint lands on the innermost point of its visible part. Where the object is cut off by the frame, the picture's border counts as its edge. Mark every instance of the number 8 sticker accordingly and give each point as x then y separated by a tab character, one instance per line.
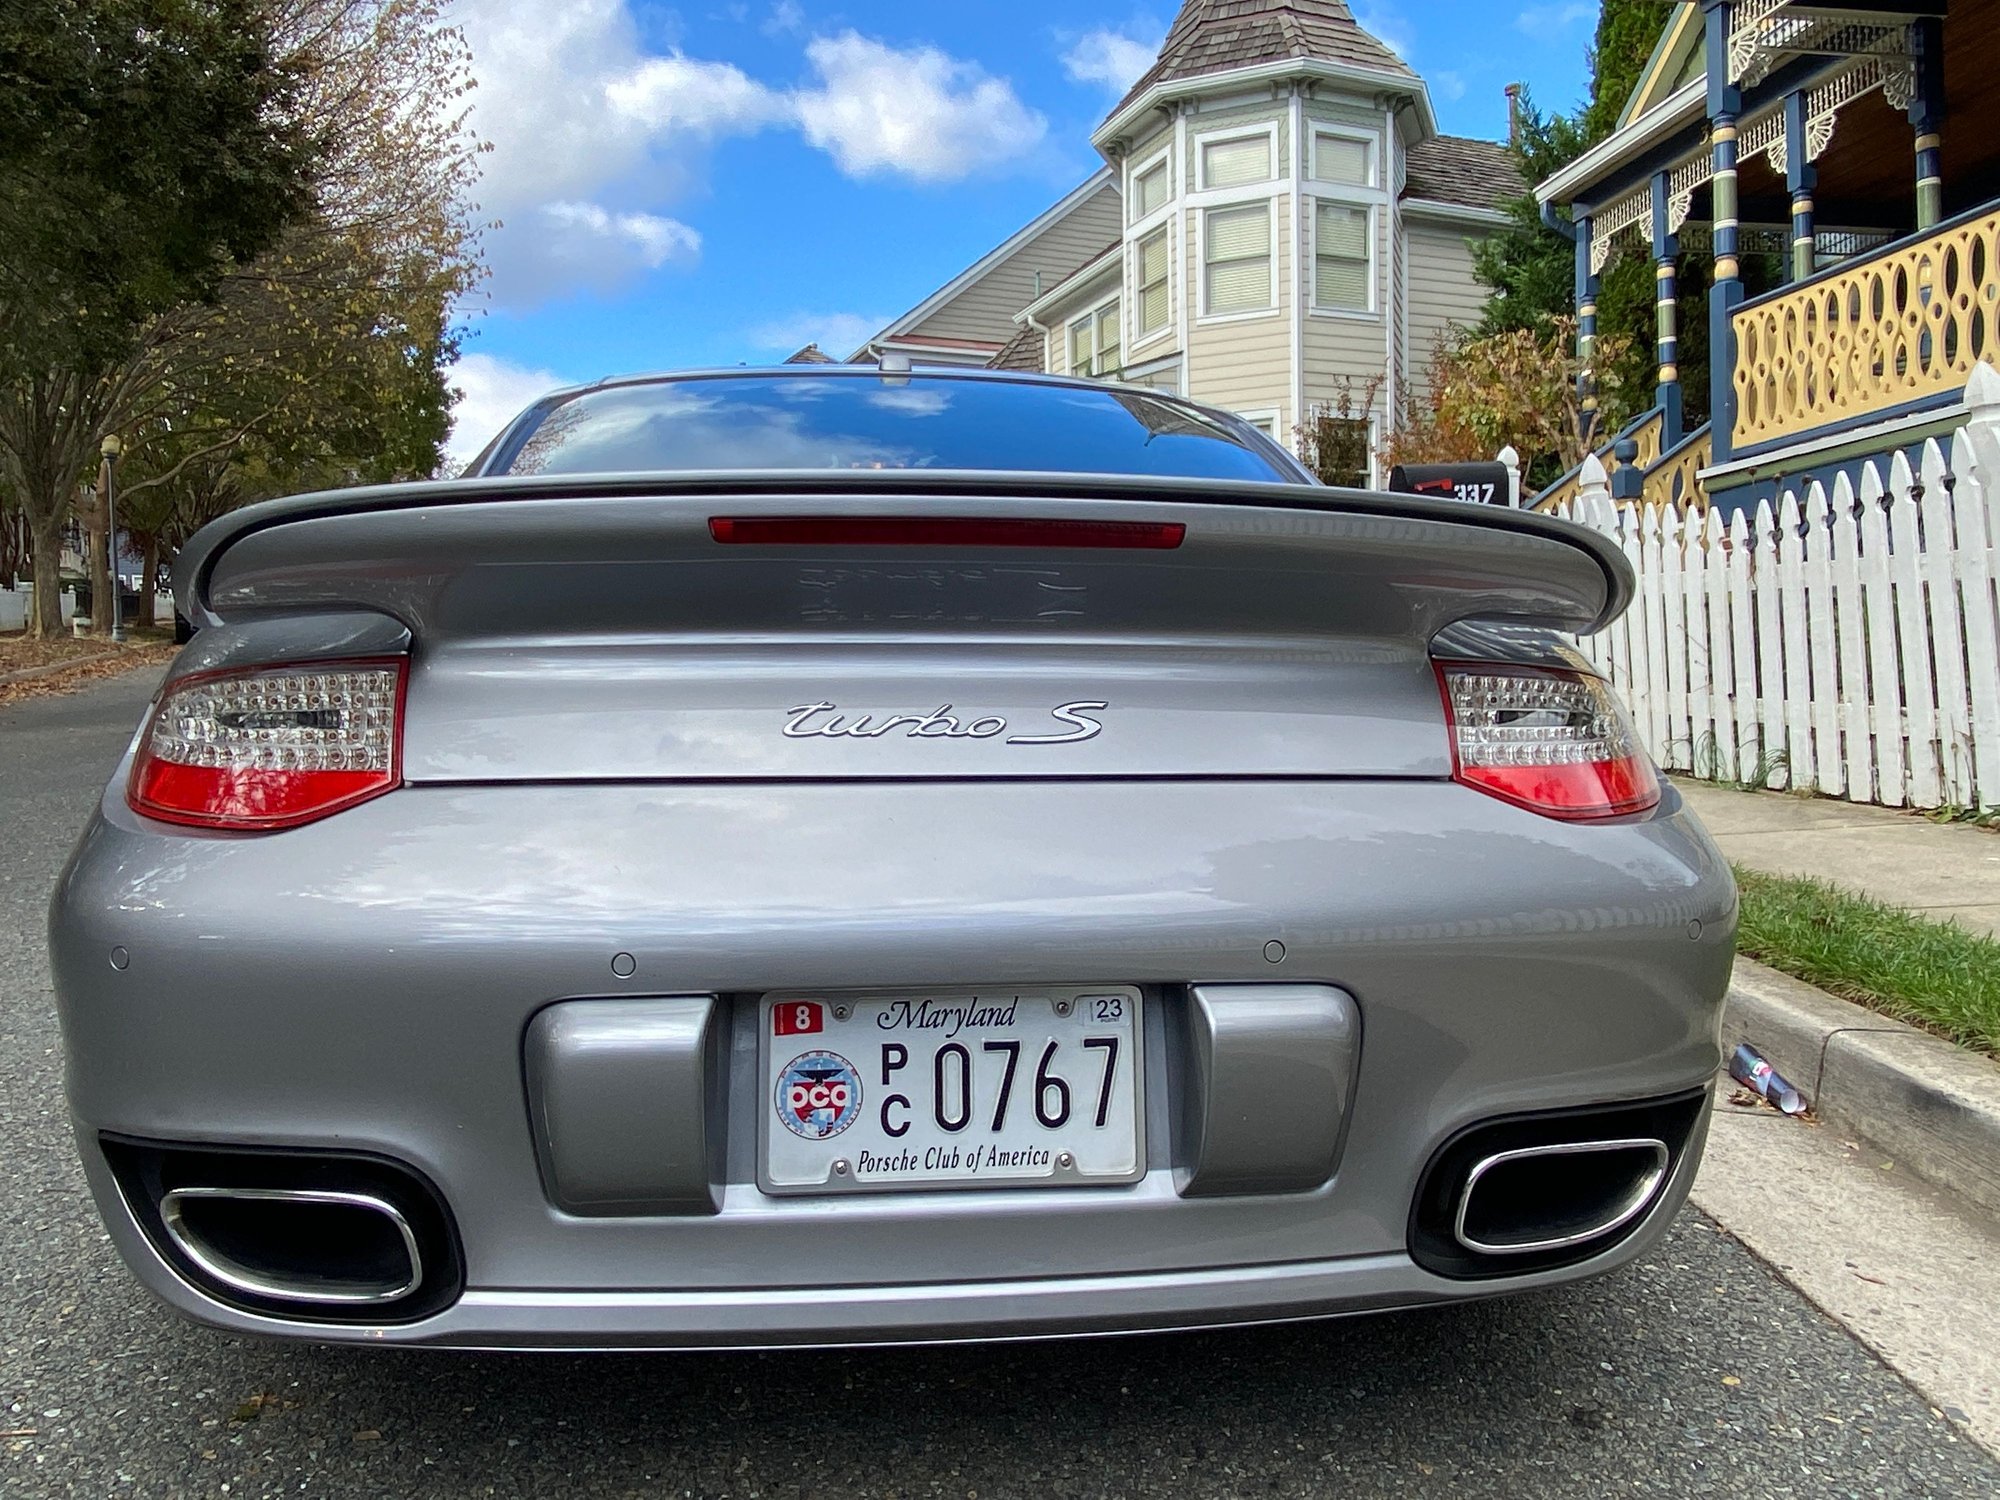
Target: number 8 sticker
797	1018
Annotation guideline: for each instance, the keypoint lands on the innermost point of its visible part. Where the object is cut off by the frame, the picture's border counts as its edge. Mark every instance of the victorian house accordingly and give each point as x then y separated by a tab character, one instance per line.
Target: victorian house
1804	156
1279	229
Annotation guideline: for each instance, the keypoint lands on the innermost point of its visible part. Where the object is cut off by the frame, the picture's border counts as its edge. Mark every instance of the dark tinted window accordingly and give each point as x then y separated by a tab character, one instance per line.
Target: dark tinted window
884	422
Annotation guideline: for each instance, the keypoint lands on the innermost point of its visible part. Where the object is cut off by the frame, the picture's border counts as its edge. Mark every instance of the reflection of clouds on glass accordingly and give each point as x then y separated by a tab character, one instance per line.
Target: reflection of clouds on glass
916	403
863	421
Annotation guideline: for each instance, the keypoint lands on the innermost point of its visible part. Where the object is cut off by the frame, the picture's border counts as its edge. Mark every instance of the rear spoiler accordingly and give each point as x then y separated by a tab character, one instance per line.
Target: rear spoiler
1584	609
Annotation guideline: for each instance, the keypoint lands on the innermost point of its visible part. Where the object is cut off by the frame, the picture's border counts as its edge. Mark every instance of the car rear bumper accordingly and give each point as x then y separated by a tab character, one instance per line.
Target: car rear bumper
497	1318
368	984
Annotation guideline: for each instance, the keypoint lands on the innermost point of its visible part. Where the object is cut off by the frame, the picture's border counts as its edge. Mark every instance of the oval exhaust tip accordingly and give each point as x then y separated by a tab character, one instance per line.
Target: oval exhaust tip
1551	1197
296	1244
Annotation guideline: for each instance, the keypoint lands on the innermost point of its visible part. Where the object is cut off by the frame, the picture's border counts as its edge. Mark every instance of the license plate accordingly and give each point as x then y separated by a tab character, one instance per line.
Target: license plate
998	1087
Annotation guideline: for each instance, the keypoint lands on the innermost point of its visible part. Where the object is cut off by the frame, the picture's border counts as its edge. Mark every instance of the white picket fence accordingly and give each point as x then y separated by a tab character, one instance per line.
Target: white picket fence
1846	641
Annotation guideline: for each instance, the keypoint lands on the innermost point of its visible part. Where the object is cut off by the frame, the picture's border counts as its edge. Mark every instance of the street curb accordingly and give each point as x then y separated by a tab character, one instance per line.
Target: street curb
54	667
1932	1107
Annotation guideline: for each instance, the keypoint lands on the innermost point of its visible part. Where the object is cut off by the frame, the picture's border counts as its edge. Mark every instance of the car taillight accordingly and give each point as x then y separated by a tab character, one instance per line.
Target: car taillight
270	748
1558	743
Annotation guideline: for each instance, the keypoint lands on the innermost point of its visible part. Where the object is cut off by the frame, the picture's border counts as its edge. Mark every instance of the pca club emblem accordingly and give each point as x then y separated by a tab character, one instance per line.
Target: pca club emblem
819	1095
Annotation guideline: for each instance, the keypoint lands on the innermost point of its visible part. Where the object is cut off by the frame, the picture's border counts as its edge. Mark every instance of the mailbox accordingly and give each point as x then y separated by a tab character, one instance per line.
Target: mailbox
1483	484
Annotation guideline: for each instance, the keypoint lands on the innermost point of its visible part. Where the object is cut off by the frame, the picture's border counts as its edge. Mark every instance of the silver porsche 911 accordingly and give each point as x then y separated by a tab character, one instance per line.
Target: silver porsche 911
847	855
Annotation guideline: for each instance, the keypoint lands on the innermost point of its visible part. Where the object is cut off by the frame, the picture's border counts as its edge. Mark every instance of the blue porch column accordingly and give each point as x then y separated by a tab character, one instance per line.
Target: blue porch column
1667	313
1586	332
1927	117
1801	176
1725	104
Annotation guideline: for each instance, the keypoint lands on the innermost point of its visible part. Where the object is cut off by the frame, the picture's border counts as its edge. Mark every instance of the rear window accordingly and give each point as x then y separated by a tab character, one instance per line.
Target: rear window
885	422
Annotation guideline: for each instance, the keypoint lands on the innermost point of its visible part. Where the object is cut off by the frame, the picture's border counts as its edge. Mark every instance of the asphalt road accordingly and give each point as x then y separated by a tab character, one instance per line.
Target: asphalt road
1698	1373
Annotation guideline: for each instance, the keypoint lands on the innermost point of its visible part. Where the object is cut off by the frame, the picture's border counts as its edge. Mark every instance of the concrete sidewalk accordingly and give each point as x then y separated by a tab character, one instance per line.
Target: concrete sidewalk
1945	871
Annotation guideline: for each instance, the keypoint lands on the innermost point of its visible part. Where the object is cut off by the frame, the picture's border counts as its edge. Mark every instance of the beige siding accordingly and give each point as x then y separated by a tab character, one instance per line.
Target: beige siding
1277	112
1352	349
1333	112
985	310
1244	365
1084	293
1443	295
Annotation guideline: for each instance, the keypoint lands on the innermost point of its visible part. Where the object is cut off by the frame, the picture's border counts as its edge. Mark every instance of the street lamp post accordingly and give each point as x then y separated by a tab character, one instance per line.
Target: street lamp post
110	448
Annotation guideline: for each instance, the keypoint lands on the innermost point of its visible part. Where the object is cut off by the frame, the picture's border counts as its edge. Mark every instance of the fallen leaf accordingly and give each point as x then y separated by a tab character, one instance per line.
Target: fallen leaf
252	1408
1731	1380
368	1435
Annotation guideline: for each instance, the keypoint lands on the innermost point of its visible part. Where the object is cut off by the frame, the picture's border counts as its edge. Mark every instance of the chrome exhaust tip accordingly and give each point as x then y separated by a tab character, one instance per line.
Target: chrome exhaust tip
1515	1195
1542	1198
294	1233
296	1244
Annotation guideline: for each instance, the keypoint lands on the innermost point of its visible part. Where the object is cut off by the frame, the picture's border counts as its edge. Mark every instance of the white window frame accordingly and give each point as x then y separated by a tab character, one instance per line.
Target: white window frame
1093	316
1258	416
1373	310
1165	221
1374	419
1160	158
1374	198
1222	134
1248	315
1368	139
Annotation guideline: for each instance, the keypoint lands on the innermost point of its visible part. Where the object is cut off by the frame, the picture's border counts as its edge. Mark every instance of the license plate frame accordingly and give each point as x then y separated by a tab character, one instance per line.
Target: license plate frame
844	1013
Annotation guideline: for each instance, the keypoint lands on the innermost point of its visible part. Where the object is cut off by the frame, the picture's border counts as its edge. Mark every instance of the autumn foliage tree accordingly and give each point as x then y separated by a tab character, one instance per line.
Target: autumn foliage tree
314	353
145	147
1516	388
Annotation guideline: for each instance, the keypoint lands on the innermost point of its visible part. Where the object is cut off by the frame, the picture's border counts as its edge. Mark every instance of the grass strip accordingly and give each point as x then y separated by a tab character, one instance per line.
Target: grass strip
1932	974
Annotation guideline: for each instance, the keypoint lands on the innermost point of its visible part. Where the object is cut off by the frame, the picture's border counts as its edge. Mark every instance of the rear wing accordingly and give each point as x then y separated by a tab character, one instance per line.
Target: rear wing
1442	561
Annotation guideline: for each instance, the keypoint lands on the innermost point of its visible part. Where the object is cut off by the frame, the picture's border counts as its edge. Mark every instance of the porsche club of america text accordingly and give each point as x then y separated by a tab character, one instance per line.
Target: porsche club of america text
969	1160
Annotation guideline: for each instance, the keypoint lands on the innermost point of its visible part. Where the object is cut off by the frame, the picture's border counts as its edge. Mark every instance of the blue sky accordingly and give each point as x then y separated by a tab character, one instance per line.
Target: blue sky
720	181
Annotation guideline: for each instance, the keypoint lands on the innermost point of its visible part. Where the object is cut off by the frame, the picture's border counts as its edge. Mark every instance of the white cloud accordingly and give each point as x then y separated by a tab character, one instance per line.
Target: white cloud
649	239
919	113
1549	23
707	99
786	18
1447	84
594	138
837	333
491	393
1112	59
1387	25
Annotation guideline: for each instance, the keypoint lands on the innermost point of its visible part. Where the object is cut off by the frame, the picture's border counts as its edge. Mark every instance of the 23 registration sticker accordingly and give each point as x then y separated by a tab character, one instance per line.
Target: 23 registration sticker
819	1095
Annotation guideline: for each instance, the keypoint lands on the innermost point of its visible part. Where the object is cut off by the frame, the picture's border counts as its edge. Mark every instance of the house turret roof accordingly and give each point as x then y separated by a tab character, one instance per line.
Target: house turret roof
1218	36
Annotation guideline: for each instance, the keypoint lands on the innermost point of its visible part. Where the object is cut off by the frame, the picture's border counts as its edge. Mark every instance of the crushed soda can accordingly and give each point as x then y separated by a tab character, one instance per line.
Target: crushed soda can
1749	1068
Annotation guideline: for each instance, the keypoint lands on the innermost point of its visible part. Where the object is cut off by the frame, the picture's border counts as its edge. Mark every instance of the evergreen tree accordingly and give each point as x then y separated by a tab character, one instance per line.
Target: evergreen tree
1627	33
1531	268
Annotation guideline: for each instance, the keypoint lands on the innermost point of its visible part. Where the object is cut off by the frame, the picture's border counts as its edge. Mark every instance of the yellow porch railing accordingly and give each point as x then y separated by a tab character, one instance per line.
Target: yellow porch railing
1869	336
1647	432
1673	481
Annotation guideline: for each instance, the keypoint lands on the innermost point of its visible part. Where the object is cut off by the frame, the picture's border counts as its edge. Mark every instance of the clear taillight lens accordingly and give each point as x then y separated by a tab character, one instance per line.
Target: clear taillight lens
271	748
1558	743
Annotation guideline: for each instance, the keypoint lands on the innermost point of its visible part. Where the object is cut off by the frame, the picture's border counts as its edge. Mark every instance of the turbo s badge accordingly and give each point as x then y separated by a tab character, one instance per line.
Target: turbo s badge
819	1095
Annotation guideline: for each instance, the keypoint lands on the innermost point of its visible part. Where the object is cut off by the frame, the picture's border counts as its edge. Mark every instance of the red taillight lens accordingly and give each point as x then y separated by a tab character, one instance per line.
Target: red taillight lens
1558	743
942	531
271	748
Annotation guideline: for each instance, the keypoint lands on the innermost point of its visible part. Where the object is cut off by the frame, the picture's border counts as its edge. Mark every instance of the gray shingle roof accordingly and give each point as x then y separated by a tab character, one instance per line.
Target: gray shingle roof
1455	169
1022	352
811	354
1214	36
